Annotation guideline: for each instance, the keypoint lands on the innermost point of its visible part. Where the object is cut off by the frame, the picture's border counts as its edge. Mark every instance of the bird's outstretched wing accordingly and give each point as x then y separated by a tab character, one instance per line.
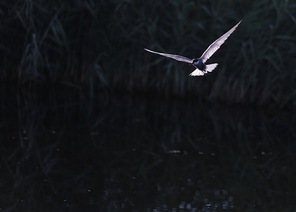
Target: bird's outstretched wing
216	44
172	56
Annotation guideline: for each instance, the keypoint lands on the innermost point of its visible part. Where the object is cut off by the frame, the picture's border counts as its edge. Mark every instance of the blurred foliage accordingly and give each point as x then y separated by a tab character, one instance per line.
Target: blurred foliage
100	44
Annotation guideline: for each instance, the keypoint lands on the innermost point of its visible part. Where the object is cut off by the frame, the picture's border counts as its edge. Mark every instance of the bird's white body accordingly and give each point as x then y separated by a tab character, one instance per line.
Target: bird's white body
199	64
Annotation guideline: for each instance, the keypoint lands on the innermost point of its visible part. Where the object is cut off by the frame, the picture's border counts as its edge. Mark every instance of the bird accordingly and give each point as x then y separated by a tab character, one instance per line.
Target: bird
199	63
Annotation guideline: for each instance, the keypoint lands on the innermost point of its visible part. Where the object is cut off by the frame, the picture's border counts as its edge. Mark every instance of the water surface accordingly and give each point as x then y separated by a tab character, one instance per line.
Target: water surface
65	150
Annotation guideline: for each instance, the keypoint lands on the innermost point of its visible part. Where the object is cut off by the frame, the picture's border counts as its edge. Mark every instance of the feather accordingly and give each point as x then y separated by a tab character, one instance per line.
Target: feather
172	56
216	44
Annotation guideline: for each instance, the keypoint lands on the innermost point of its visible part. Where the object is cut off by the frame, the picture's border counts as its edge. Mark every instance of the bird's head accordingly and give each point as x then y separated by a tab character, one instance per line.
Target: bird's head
195	61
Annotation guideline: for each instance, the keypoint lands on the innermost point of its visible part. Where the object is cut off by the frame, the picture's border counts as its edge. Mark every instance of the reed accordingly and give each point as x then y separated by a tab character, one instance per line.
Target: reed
100	44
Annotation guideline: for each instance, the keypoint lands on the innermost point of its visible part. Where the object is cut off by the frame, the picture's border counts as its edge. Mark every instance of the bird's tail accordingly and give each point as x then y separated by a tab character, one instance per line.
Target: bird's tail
211	67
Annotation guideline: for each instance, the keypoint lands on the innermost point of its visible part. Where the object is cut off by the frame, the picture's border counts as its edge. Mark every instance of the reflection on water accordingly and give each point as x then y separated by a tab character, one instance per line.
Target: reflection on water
61	149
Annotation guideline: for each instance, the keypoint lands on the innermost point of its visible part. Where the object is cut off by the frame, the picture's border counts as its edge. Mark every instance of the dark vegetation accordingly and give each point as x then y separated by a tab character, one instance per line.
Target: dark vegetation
99	44
64	148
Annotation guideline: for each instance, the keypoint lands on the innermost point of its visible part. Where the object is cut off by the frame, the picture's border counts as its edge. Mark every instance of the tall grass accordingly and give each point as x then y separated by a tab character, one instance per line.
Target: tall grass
99	44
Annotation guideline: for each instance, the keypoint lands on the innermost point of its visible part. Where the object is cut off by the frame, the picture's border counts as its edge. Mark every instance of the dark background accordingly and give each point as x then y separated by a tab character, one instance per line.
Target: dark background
90	121
100	44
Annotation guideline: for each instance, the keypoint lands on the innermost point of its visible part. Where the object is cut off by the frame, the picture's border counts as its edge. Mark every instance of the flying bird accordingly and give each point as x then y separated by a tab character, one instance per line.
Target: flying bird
199	63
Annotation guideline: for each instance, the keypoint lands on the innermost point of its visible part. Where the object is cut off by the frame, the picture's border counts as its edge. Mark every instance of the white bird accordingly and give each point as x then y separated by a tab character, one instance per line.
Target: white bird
199	63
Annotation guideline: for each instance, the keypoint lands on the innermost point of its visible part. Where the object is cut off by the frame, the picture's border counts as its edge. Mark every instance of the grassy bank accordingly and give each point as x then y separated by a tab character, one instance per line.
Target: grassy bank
100	44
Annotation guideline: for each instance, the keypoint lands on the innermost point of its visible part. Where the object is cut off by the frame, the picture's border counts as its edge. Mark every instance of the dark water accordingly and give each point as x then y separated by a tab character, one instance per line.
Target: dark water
62	150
